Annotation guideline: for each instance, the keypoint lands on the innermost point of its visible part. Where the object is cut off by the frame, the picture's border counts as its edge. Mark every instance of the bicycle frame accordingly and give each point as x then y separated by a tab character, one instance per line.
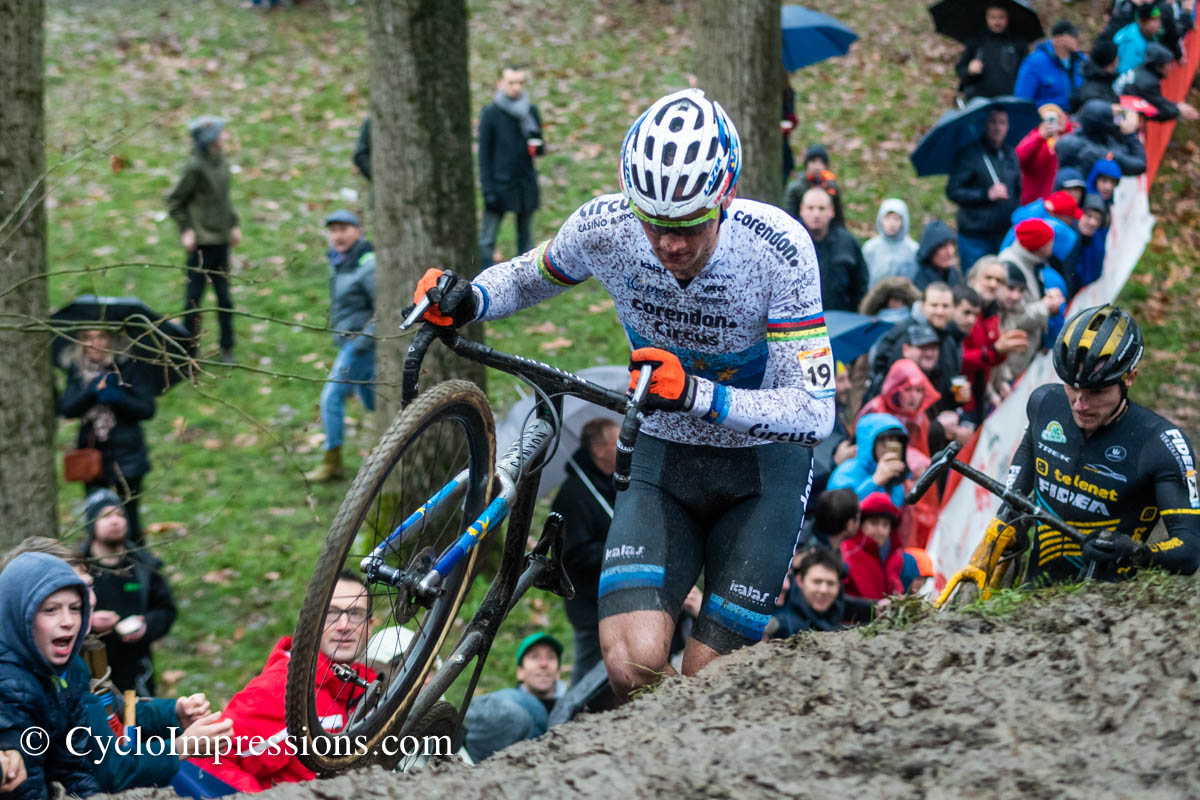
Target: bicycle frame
515	475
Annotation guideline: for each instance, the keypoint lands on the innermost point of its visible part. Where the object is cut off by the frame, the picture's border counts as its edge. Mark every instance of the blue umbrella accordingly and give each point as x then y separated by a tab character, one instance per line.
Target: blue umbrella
852	334
810	36
960	127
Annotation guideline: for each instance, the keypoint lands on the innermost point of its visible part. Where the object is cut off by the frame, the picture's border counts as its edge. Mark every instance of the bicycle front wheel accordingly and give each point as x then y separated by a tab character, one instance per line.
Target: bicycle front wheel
441	447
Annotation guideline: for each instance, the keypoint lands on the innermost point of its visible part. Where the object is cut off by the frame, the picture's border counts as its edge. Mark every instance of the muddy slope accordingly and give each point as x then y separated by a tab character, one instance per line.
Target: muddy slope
1088	695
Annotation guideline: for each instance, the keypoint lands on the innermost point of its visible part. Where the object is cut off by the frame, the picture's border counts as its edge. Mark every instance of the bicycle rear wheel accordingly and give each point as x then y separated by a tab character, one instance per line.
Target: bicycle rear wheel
336	716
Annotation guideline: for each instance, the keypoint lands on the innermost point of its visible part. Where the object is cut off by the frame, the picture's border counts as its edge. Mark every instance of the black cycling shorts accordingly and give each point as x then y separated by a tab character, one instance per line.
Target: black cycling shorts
736	512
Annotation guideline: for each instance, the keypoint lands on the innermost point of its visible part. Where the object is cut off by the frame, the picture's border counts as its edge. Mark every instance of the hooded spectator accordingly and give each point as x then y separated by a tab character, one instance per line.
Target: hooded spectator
1103	135
892	253
907	394
1145	82
1099	72
985	183
937	257
874	556
990	59
1070	180
843	272
1053	69
45	609
1035	152
880	464
1093	231
1133	39
816	174
1103	178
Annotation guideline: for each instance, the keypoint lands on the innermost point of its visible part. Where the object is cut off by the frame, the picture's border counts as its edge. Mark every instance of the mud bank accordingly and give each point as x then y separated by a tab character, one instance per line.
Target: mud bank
1093	694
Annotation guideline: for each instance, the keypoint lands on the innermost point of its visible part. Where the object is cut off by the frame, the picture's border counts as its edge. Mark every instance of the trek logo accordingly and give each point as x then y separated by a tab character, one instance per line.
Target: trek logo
1048	449
1054	433
624	551
749	592
1115	454
1074	499
760	430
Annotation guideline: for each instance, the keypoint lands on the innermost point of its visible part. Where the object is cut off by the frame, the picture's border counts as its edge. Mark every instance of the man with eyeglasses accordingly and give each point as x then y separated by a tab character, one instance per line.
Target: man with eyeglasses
262	755
723	298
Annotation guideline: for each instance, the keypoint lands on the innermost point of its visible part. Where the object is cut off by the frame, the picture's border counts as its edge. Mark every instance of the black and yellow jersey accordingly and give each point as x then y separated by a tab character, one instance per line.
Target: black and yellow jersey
1124	477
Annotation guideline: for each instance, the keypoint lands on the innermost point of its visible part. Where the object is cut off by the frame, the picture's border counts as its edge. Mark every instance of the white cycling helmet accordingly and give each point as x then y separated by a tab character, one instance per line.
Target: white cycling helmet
682	155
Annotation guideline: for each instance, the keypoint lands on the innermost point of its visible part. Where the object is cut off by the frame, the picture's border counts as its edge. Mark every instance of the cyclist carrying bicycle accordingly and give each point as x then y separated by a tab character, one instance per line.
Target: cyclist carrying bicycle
1102	462
722	298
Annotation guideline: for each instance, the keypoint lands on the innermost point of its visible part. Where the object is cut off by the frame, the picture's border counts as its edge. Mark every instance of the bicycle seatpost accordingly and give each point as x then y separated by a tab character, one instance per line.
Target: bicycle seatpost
629	429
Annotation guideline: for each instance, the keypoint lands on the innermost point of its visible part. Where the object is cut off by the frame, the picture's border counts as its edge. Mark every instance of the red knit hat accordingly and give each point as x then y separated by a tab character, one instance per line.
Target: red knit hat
878	504
1062	204
1034	234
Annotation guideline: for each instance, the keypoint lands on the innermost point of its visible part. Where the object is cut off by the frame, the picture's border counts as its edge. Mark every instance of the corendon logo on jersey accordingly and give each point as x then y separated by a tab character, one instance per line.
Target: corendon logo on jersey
1054	433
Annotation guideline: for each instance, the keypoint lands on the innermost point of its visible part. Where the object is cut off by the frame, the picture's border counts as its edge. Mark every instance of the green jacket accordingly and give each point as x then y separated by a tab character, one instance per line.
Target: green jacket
200	200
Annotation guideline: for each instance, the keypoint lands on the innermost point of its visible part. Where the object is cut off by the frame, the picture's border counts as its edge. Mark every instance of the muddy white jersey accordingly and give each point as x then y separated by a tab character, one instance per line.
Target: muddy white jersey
750	326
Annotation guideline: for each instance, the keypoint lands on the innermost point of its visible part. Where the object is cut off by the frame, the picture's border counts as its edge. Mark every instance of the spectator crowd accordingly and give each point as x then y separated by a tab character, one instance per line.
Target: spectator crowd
969	306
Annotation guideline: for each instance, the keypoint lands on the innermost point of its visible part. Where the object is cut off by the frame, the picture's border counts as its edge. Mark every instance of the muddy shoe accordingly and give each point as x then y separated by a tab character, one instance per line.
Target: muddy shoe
227	356
330	470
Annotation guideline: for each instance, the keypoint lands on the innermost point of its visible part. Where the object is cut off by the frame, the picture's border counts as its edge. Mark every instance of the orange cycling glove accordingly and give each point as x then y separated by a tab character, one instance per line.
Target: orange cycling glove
671	389
453	304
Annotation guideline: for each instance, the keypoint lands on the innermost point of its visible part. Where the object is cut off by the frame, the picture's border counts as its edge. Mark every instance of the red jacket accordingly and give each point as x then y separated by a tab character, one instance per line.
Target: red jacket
261	756
979	353
868	577
1039	165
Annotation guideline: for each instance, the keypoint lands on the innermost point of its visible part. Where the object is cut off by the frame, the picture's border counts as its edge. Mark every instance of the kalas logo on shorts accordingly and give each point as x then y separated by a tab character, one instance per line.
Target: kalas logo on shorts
1054	433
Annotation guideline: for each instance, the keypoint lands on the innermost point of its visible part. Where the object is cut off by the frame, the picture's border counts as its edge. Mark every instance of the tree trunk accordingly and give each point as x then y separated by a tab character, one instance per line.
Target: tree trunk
739	64
28	494
421	165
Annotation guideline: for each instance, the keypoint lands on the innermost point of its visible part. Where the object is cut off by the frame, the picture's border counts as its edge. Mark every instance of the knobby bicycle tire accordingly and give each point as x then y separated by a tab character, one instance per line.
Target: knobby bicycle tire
457	401
441	720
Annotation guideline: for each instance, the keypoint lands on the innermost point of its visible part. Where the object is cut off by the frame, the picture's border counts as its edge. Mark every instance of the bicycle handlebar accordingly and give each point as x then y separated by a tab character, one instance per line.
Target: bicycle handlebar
630	428
946	460
940	464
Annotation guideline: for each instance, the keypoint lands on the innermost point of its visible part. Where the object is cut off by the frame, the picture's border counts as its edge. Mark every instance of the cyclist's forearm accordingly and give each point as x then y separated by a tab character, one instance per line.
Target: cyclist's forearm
506	288
1180	551
787	414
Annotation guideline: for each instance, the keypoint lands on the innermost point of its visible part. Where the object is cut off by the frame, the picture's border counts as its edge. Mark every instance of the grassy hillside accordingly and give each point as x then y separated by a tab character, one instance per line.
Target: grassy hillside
233	519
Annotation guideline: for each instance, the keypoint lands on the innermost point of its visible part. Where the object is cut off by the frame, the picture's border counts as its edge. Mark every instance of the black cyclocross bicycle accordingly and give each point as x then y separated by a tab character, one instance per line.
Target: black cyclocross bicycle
410	527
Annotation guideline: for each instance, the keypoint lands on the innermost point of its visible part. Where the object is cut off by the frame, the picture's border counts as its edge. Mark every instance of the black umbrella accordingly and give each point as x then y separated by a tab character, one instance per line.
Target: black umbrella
156	344
959	127
963	19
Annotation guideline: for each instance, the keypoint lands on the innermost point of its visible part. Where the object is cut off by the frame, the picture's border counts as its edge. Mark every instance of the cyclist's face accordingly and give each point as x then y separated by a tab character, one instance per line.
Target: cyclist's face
820	586
347	623
683	251
539	670
1091	408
